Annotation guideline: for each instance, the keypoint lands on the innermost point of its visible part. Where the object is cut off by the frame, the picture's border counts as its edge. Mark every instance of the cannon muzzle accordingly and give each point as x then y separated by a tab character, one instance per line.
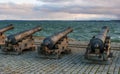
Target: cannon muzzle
6	28
13	39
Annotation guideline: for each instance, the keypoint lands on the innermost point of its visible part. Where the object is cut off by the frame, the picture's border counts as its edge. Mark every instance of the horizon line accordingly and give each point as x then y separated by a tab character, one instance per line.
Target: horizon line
61	20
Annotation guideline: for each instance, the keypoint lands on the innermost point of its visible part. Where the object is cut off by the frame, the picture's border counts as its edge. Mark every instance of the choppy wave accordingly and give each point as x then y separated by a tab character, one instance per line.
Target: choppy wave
83	30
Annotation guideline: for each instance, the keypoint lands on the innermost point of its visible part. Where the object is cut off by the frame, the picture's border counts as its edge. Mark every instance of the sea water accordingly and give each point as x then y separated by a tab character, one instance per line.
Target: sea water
83	30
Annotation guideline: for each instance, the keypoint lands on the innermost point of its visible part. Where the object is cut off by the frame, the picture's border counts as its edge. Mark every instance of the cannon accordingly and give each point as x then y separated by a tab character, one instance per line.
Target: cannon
2	35
55	45
99	46
17	43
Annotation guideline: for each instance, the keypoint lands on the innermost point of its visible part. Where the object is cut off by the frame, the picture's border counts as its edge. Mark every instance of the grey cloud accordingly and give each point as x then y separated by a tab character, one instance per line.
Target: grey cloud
12	11
104	7
58	9
103	3
74	9
51	1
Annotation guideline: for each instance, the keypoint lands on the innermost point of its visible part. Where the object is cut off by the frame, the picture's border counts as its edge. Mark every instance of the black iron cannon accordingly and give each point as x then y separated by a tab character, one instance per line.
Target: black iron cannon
56	44
99	45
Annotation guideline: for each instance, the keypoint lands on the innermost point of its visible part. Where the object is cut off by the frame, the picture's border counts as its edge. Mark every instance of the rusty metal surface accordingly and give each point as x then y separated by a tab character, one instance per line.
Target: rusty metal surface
55	44
29	63
2	35
19	42
6	28
26	33
55	38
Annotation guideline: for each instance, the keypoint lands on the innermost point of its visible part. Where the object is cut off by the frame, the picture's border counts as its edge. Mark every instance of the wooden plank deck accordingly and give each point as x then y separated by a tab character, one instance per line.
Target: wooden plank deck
29	63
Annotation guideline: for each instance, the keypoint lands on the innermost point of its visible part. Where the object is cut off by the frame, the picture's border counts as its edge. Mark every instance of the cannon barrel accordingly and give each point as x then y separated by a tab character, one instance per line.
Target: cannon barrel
103	33
6	28
19	36
61	34
98	41
52	40
99	47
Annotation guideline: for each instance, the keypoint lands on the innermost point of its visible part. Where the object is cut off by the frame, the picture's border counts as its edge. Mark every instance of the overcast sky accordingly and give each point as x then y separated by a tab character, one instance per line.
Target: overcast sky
59	9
